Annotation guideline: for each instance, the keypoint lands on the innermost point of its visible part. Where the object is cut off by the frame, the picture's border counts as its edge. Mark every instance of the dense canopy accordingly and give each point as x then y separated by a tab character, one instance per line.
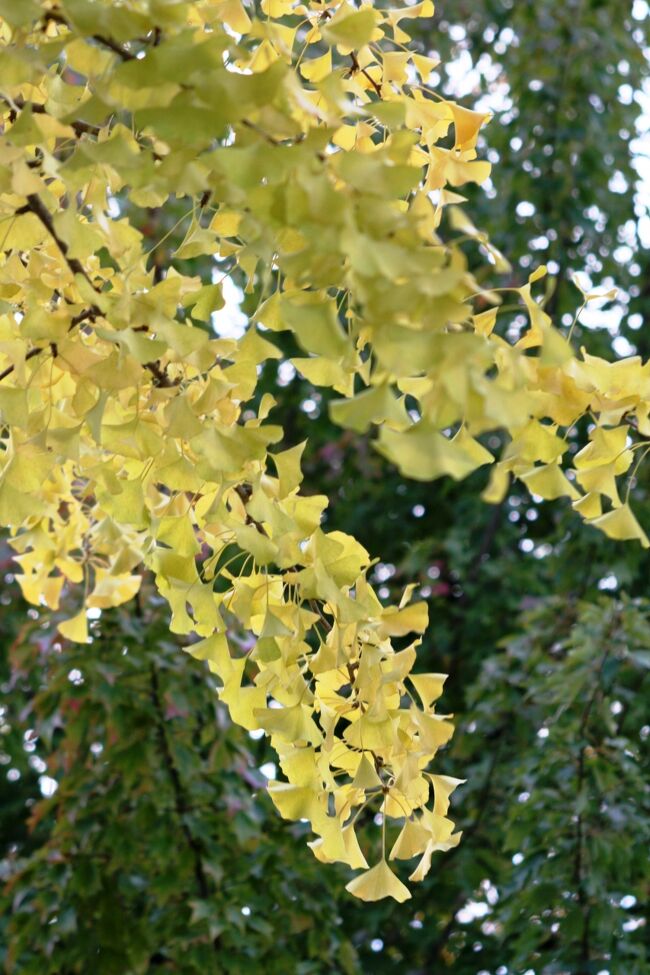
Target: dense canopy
301	150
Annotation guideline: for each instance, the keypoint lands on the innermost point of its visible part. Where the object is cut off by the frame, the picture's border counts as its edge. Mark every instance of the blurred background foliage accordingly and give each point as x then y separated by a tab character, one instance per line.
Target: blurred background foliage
135	834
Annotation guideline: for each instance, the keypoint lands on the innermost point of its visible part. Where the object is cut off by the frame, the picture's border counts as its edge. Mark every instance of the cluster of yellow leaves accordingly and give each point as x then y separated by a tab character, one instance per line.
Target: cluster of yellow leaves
311	156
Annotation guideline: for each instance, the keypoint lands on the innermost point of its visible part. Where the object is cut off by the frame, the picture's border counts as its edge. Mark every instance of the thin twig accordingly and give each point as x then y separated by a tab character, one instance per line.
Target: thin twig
160	376
37	108
30	355
36	206
88	314
244	492
366	74
57	18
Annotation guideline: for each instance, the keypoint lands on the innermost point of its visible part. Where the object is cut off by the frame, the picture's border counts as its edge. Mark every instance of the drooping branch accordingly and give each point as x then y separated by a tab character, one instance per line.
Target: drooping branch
36	206
180	800
578	863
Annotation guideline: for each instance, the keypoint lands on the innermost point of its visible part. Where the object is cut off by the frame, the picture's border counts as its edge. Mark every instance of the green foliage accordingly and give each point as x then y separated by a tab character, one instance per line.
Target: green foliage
563	80
158	849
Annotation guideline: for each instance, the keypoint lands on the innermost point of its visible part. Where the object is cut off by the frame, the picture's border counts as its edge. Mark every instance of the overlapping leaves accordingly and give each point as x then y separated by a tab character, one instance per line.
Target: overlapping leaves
313	158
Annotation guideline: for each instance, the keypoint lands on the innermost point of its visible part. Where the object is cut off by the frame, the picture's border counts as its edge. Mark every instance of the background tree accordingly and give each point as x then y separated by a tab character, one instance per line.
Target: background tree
566	86
157	850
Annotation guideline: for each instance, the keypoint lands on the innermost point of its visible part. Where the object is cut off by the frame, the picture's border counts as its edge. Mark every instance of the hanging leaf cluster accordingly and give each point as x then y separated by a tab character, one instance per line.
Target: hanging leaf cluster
310	158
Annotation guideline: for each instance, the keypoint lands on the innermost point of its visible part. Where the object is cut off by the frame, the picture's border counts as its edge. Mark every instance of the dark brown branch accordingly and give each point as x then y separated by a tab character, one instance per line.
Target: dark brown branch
244	491
265	135
36	206
30	355
473	574
366	74
80	128
489	535
114	46
318	609
160	375
57	18
443	937
88	314
272	140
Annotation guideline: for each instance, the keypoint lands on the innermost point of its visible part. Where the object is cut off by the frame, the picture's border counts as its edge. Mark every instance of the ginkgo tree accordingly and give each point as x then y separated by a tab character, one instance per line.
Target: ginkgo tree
311	159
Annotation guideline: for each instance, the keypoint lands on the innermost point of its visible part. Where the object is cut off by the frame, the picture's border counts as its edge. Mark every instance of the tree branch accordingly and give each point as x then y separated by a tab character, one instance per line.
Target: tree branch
578	864
244	492
489	534
19	104
160	375
30	355
366	74
180	800
57	18
36	206
88	314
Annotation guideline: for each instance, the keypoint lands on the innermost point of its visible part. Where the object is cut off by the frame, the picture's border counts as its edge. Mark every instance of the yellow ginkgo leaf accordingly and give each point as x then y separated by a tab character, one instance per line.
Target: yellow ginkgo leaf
428	686
366	776
76	628
315	69
424	65
347	850
443	786
467	124
226	223
292	801
621	524
277	8
377	883
411	619
424	865
549	481
485	321
411	841
589	506
234	15
351	31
